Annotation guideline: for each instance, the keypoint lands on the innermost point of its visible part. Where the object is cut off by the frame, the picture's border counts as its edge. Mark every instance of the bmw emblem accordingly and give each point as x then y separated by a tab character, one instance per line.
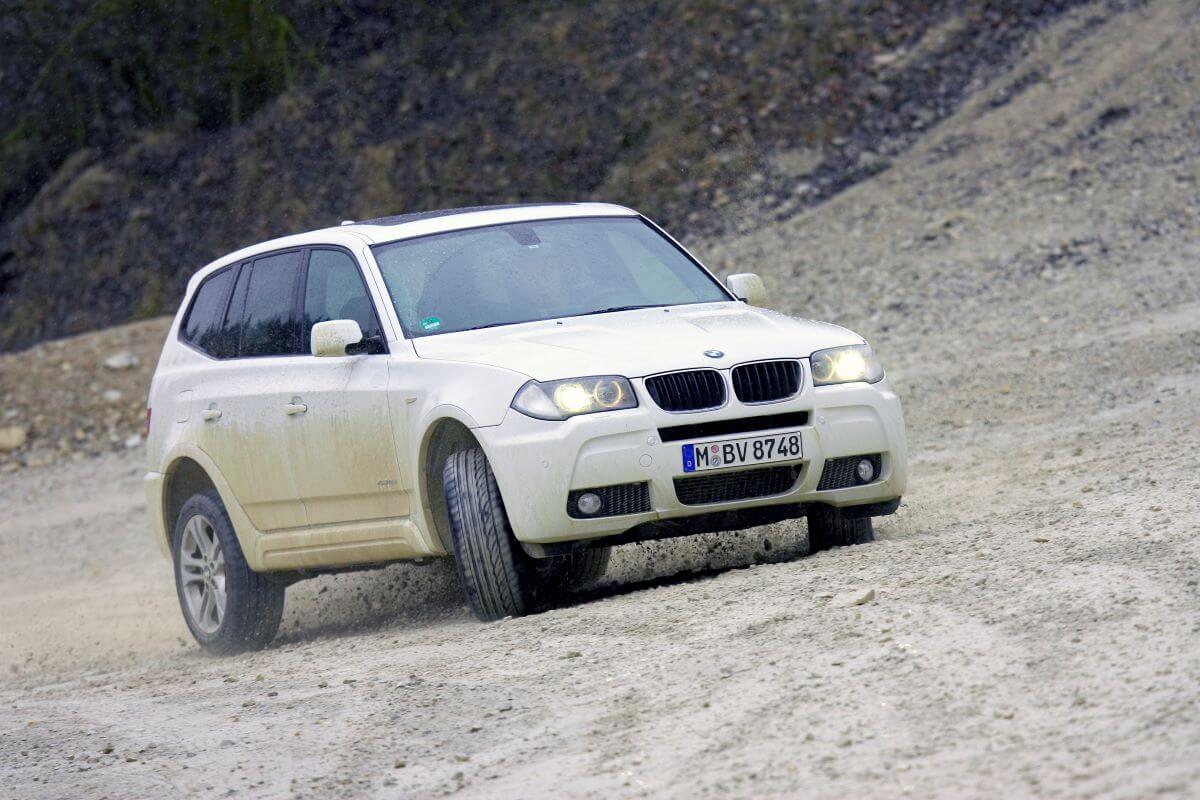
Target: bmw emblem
714	354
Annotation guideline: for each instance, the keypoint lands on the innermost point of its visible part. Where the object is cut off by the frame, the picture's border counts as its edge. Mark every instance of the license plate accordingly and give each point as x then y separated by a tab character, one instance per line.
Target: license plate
739	452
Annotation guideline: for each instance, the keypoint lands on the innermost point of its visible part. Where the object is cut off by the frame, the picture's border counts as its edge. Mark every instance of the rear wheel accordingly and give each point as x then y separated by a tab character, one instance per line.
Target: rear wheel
829	527
228	607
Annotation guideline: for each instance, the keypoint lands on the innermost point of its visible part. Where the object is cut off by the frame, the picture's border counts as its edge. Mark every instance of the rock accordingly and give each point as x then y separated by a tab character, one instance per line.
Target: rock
112	396
133	442
797	162
870	160
121	360
12	437
856	597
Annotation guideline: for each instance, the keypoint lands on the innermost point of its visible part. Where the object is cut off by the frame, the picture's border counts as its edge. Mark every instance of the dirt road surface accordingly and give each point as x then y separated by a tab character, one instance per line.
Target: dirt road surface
1030	272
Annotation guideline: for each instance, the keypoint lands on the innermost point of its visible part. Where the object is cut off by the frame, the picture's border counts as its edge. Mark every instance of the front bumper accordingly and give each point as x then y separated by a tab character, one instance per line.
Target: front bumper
538	463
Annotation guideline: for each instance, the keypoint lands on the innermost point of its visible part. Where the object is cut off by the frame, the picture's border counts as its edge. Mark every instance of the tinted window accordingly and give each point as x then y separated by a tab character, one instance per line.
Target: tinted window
202	328
335	290
268	327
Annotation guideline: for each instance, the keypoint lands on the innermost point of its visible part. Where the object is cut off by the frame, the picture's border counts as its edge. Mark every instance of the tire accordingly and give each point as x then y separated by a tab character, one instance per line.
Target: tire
496	575
580	568
828	527
207	554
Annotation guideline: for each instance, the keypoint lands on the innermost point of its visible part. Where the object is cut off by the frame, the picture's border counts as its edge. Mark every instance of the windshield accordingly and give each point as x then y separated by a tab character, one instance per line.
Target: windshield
526	271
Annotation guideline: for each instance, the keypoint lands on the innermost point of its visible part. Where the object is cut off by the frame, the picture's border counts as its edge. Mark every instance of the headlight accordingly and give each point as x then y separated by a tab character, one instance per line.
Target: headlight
569	398
857	362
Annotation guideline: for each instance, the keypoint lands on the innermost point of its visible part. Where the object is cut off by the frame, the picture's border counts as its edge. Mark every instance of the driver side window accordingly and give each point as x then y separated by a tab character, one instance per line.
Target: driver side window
335	290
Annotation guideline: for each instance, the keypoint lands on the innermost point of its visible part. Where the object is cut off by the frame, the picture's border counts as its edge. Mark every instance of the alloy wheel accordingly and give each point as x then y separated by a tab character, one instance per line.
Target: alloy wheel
202	572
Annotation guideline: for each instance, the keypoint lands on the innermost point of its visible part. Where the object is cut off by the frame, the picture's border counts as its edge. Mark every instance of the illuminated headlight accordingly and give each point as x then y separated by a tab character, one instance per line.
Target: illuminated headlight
857	362
569	398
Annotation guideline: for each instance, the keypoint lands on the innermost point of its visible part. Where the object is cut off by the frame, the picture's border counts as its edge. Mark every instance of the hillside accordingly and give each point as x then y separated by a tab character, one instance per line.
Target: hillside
150	137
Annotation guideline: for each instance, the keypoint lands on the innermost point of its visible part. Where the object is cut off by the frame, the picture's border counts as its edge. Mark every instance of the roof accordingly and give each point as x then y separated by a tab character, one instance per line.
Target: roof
422	223
400	219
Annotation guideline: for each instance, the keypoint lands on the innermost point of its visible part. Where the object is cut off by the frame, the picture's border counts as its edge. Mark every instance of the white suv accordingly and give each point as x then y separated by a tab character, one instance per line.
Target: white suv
519	386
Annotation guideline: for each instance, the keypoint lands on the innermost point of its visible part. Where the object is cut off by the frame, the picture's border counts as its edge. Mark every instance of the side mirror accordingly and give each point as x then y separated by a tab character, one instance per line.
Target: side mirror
749	287
333	337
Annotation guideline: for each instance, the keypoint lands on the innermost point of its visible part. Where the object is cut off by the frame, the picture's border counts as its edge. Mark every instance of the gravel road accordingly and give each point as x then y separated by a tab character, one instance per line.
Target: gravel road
1030	272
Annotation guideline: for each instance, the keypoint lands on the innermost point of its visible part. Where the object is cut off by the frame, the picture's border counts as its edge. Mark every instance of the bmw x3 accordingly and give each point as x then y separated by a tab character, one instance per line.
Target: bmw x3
518	387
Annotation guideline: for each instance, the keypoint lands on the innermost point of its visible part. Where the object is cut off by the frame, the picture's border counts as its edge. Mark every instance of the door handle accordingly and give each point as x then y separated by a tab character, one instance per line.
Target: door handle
211	414
295	408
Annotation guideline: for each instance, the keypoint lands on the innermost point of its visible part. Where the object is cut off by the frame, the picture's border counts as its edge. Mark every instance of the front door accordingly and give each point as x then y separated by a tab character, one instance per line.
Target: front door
339	434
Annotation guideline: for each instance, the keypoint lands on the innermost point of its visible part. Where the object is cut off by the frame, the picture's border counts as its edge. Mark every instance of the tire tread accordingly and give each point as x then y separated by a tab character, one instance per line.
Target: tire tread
828	528
492	569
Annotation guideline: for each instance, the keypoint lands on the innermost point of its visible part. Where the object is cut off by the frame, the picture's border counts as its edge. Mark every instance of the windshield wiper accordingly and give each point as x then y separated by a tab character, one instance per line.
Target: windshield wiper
489	325
621	308
566	316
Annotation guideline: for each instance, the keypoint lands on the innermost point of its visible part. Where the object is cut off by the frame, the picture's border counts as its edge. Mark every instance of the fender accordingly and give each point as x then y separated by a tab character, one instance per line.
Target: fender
248	536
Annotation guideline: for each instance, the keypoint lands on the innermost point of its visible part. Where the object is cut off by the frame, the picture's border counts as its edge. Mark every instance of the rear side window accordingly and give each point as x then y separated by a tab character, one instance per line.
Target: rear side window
205	319
267	325
335	290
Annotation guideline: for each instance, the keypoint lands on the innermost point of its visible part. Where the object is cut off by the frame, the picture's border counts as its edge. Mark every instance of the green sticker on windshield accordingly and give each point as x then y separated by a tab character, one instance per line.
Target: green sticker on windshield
431	323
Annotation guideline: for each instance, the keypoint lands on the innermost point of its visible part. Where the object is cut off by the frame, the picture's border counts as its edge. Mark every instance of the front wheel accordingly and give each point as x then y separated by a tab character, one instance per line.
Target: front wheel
829	527
228	607
494	572
562	573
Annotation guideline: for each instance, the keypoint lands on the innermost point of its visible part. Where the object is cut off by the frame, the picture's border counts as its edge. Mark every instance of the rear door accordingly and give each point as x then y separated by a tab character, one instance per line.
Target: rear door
339	441
240	403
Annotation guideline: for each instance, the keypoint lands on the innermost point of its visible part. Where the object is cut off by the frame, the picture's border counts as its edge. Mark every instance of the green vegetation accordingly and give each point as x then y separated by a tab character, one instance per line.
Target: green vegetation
92	71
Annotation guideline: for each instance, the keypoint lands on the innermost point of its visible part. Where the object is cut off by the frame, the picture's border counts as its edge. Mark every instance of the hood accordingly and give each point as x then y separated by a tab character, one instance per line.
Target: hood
637	343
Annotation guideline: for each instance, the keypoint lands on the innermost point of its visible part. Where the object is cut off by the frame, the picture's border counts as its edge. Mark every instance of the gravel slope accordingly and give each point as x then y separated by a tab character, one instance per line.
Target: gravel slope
1030	271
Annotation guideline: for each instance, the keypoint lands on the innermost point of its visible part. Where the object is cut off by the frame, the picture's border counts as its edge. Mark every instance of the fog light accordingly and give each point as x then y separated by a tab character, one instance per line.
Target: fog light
588	503
865	470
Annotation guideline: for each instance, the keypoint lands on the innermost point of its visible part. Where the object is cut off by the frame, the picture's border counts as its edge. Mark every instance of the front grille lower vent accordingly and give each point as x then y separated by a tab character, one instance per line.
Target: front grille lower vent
766	381
622	498
726	487
693	390
840	473
724	427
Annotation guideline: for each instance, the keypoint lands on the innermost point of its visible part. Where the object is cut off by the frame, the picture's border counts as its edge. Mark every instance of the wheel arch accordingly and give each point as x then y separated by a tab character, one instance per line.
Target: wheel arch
189	472
443	436
185	477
